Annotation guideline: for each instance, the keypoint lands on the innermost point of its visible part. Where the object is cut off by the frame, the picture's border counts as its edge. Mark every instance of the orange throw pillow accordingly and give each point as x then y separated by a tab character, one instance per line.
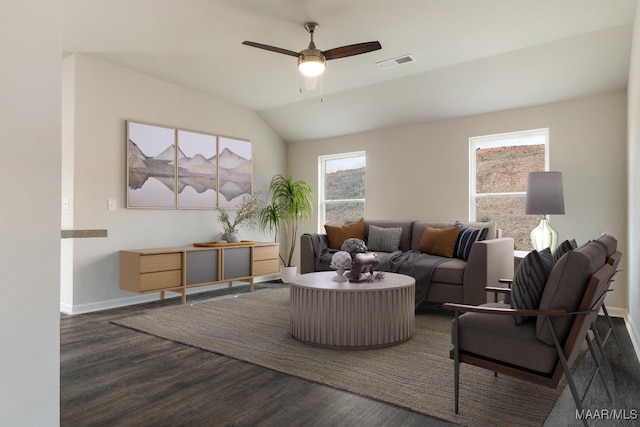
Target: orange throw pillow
439	241
338	234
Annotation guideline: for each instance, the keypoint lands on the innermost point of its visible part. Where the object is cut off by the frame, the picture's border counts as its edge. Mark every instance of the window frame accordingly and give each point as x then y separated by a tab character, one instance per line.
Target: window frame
322	160
508	138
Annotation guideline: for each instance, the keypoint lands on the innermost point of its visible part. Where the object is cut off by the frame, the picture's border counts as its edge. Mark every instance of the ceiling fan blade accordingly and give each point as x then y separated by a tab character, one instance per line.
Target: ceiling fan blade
271	48
351	50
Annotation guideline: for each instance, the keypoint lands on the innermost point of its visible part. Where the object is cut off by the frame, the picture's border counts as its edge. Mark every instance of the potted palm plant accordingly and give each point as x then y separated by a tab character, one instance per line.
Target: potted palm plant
289	202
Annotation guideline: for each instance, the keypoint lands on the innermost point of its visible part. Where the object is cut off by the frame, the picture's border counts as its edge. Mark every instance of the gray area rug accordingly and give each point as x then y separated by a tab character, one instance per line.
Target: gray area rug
417	374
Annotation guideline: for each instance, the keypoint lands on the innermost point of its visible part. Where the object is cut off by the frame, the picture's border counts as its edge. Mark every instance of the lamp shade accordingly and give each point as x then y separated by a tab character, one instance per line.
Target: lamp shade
545	195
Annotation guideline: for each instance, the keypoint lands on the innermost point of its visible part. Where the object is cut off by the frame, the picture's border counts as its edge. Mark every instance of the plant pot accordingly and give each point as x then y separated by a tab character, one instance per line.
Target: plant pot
288	273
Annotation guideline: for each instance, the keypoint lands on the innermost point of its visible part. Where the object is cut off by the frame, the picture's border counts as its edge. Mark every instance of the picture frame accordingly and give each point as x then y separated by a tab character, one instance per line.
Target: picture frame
197	170
151	172
173	168
235	171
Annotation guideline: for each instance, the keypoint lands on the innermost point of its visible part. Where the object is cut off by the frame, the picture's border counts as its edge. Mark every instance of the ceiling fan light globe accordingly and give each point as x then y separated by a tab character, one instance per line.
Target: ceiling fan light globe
311	62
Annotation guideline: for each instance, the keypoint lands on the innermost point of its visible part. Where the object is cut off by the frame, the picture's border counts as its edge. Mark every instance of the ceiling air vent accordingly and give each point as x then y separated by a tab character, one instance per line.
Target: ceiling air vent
394	62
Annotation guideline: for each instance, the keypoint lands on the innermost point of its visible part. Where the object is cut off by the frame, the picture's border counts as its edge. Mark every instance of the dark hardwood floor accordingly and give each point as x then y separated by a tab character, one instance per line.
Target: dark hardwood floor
113	376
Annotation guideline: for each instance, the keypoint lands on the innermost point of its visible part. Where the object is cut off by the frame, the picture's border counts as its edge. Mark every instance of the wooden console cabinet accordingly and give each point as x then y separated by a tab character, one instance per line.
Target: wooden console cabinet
177	269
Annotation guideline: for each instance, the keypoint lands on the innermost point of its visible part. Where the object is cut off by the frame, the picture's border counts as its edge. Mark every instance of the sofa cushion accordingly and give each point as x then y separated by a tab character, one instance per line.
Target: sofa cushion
467	237
496	337
384	239
528	282
450	271
565	287
439	241
563	248
337	234
405	236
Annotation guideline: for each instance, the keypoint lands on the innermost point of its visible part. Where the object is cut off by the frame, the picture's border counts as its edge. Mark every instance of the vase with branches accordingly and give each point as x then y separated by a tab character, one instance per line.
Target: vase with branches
289	203
245	215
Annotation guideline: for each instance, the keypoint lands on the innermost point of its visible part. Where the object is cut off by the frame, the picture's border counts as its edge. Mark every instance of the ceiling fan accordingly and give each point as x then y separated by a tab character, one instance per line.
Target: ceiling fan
311	61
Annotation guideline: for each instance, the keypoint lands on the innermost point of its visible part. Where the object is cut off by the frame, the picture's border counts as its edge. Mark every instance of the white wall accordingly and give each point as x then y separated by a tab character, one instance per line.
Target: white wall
30	76
104	96
633	256
422	171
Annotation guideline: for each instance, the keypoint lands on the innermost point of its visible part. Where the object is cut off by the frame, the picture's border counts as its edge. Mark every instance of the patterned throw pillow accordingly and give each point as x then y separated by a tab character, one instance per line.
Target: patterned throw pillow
563	248
439	241
467	237
384	239
529	280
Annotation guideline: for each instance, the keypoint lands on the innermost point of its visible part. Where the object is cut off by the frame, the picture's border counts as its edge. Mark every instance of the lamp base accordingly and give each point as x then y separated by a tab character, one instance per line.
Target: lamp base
544	236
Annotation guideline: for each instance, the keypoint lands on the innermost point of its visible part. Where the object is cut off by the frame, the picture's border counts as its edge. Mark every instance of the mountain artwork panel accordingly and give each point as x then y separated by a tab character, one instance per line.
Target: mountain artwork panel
151	174
197	170
235	171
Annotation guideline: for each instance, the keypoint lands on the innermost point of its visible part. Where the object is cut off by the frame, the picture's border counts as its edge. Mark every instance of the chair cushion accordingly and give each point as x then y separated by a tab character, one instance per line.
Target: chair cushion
610	243
384	239
467	237
439	241
337	234
495	337
565	287
529	280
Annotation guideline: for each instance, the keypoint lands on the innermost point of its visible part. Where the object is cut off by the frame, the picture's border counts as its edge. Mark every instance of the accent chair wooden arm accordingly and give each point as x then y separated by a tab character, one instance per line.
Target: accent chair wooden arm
505	311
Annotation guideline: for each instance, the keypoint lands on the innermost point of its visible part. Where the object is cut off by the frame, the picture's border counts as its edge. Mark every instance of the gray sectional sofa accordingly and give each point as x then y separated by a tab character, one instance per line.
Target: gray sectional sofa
452	280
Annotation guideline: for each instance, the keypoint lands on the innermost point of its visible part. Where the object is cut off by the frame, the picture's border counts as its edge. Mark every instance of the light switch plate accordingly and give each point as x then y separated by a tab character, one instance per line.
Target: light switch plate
111	204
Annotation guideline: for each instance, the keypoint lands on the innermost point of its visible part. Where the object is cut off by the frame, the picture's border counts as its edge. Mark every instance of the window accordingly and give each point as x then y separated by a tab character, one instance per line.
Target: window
500	165
341	198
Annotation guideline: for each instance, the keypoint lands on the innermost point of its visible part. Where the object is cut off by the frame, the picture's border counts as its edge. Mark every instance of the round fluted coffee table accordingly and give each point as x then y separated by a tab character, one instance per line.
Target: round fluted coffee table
352	315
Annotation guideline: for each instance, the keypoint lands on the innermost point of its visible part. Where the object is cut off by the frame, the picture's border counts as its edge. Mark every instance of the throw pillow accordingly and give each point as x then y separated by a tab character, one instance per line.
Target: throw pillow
529	280
439	241
467	237
337	234
384	239
563	248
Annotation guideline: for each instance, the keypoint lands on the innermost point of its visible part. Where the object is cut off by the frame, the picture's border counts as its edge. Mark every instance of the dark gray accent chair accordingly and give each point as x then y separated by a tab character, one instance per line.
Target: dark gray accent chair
543	349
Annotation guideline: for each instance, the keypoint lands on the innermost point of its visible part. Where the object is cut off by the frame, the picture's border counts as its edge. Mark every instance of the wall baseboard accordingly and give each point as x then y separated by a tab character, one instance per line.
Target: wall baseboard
634	335
140	299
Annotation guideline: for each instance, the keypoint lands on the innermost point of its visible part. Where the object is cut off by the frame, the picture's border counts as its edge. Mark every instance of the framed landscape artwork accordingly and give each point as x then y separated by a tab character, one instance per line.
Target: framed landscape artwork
197	170
173	168
235	171
151	172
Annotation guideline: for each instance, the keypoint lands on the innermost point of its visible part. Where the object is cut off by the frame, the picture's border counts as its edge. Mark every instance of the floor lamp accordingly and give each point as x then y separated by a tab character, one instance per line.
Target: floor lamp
545	196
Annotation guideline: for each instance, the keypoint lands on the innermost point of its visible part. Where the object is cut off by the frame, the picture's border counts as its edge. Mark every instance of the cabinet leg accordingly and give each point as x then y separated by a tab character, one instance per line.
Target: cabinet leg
184	296
251	285
230	284
161	295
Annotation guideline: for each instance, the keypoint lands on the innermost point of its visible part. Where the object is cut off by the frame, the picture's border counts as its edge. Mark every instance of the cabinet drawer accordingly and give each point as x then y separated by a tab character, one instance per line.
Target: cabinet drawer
160	262
265	252
267	266
160	280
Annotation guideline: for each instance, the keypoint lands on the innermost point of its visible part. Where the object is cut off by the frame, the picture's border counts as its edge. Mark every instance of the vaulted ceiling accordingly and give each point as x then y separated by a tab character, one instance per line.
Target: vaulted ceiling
471	56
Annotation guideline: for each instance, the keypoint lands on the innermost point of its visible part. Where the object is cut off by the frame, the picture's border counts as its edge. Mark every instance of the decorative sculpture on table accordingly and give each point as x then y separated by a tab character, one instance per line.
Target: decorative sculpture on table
354	245
363	264
341	261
